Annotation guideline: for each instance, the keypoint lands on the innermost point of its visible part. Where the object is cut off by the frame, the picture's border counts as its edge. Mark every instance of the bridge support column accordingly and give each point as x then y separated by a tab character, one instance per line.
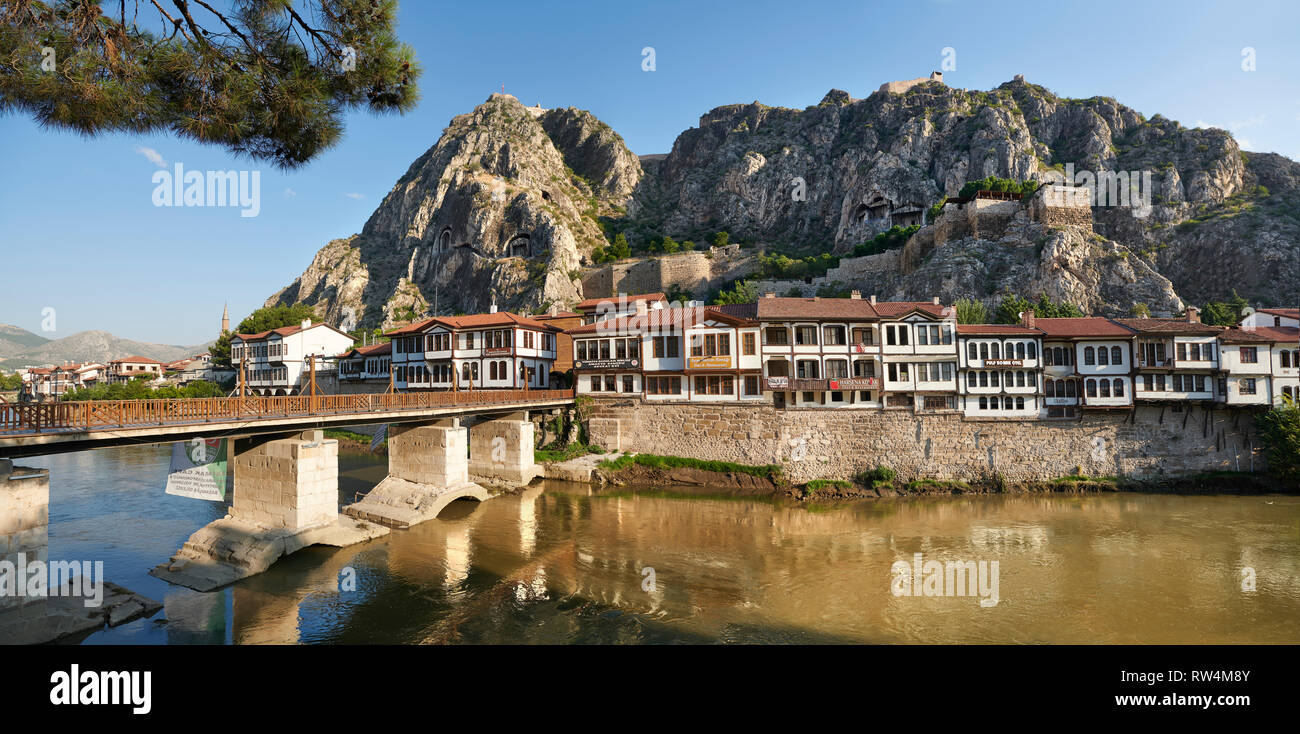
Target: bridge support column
501	451
24	534
286	498
428	468
289	483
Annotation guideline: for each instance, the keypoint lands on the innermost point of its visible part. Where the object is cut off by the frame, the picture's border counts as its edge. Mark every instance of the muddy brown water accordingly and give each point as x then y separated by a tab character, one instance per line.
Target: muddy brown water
562	563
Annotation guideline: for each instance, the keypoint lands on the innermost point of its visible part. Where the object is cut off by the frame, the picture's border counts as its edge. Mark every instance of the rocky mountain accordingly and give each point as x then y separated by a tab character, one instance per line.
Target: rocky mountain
512	200
505	205
84	346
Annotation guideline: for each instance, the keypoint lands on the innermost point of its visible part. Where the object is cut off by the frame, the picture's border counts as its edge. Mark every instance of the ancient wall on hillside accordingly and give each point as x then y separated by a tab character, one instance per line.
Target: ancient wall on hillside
695	272
867	274
815	443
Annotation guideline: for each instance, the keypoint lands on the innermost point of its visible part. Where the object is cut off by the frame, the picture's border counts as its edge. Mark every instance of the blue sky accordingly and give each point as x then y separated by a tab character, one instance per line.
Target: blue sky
80	233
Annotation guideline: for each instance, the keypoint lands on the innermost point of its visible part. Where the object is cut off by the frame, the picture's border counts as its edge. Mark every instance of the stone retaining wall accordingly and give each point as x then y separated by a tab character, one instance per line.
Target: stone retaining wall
820	443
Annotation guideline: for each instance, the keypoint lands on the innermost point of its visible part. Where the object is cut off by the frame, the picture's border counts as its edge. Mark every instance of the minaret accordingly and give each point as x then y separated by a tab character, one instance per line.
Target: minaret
225	318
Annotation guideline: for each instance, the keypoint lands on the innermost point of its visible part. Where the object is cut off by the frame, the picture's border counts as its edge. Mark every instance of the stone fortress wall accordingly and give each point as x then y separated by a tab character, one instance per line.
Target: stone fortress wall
820	443
699	272
695	272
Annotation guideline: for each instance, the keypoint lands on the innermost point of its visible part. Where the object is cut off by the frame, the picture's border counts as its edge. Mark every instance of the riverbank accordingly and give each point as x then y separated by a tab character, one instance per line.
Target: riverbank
715	477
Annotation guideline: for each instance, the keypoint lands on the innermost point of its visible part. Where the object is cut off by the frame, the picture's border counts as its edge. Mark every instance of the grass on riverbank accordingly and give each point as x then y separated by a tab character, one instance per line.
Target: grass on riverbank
557	453
1075	478
821	485
664	463
936	485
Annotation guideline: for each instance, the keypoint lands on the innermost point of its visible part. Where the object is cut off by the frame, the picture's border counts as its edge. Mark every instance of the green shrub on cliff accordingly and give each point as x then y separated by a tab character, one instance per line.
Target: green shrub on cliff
1279	429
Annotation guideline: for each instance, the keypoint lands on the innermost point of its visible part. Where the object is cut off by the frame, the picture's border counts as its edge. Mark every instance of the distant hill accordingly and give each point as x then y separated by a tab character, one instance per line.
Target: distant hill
17	348
11	335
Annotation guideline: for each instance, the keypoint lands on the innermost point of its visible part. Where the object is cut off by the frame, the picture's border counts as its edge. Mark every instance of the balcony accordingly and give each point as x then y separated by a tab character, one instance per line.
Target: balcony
805	384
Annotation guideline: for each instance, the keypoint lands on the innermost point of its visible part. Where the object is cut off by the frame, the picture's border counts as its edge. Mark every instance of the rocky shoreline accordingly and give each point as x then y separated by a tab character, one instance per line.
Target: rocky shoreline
693	480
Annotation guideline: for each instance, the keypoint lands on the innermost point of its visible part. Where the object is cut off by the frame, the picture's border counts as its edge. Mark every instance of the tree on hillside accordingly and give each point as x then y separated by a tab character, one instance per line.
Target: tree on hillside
268	79
746	291
1010	308
1224	313
263	319
970	311
619	250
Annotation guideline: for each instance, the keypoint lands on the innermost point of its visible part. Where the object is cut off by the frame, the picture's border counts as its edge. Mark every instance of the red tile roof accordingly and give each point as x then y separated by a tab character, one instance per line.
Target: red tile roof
814	309
285	331
591	303
1170	326
1261	335
1292	313
369	350
997	329
474	321
135	360
898	309
1085	327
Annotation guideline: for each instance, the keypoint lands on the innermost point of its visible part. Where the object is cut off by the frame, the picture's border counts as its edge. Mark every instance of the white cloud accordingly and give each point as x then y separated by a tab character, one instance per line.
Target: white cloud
1244	143
353	195
154	156
290	192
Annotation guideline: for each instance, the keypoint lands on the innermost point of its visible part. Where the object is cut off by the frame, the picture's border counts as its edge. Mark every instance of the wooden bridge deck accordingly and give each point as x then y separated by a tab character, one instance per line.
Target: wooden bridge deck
37	428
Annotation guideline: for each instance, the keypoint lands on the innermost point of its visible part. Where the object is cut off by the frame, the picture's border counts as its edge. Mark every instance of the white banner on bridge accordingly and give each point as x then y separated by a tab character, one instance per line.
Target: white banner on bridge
199	469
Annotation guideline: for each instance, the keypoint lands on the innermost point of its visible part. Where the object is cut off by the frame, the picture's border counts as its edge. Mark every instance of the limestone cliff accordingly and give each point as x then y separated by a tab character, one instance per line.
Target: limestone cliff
511	201
496	209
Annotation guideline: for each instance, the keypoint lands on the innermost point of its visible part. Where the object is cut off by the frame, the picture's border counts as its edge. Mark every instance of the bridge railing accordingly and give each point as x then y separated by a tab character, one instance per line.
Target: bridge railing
87	415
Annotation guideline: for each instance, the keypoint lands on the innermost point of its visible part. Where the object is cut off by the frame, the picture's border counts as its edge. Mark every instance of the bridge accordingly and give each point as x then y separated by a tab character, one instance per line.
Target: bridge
285	472
37	429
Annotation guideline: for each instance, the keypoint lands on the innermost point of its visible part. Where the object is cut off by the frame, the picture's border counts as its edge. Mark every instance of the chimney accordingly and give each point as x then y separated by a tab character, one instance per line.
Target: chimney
1027	318
769	294
493	307
306	323
1193	315
873	299
855	295
641	308
554	310
936	300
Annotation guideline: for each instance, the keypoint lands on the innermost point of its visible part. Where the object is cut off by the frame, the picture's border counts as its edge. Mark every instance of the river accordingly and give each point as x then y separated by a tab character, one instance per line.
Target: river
565	563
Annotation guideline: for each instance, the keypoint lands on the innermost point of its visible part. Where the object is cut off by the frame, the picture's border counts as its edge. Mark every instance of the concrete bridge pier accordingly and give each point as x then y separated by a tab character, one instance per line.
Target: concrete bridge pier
427	470
285	498
501	451
24	538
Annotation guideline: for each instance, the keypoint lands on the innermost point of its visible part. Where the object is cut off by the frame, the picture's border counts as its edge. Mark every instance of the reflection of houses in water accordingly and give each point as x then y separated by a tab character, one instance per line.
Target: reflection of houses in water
984	536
